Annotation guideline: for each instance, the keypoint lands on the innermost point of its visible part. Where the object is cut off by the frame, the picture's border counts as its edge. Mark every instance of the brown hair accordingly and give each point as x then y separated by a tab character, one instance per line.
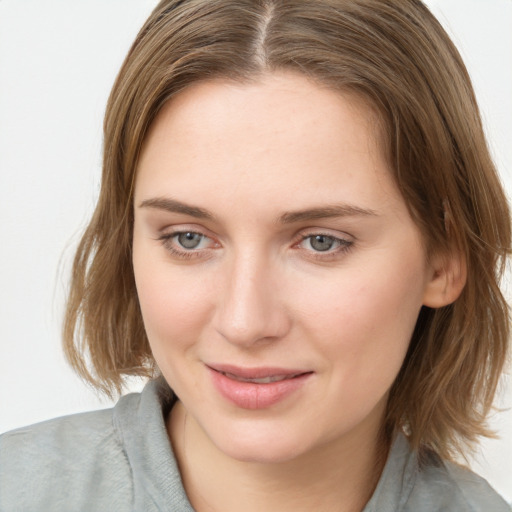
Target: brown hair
396	55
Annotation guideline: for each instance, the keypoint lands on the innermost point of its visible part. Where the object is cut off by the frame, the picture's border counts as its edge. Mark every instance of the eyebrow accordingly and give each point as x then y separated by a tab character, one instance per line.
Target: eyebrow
325	213
174	206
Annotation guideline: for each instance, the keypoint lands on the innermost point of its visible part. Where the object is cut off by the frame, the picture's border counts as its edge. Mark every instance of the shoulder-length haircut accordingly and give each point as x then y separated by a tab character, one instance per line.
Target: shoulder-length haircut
395	55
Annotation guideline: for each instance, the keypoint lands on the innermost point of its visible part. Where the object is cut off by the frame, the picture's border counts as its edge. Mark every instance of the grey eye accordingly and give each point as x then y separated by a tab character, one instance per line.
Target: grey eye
322	242
189	240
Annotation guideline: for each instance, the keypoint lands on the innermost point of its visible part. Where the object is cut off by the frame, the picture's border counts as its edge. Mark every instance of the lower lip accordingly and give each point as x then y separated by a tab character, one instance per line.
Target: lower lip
249	395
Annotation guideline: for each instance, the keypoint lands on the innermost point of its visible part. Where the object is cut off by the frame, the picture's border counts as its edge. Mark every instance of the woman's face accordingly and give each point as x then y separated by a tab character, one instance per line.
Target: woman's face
279	272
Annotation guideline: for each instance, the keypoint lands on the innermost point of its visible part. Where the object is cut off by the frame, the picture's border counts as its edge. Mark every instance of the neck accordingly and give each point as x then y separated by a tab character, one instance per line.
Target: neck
339	476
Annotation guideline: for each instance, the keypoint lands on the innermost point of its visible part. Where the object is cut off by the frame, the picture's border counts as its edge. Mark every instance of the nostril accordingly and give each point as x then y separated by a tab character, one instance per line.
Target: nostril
249	310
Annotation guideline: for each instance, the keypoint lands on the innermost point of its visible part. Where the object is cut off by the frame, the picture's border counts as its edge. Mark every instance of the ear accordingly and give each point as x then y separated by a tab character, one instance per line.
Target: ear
447	278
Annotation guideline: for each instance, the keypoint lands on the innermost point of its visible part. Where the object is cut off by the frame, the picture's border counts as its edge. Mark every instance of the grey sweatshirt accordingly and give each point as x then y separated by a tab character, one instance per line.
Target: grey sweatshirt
120	459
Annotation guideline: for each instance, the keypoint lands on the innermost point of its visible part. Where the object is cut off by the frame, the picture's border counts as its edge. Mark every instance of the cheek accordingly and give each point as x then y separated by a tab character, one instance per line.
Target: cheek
174	306
364	320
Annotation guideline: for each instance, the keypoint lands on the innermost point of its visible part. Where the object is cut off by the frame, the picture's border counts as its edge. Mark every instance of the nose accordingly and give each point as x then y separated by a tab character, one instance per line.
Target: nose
251	308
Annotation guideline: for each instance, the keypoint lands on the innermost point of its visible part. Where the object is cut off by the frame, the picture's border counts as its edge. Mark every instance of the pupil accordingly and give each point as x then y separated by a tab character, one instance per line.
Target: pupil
322	243
189	240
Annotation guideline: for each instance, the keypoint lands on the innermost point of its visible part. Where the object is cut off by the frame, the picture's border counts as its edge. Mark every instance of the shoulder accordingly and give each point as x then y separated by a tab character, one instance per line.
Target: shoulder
116	459
60	432
429	484
70	461
448	486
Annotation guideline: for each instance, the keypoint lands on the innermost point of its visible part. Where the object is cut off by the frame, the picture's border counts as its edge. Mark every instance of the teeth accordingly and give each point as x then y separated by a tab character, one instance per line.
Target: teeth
263	380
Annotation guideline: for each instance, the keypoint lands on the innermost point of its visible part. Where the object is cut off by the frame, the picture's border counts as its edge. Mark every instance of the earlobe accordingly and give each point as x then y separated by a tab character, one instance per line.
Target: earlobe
447	280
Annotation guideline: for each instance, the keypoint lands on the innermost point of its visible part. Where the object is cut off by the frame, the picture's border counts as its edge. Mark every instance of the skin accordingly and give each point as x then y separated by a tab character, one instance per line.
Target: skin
257	292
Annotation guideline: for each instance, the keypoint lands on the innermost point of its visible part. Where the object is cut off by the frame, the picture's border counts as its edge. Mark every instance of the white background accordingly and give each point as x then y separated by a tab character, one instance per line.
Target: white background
58	60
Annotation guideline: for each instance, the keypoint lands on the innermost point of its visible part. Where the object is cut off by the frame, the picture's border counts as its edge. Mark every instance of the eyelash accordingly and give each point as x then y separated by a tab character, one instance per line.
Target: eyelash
167	241
343	247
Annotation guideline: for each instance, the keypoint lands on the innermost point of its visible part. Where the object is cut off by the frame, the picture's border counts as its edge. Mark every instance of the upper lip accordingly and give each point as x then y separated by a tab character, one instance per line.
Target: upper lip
257	372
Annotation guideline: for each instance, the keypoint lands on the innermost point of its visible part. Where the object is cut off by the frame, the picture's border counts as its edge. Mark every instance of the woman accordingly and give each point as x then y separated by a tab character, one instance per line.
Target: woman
300	232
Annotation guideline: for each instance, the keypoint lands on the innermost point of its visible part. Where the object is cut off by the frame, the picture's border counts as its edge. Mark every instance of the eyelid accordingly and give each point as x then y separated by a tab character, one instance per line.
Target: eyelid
183	227
345	243
167	235
342	241
333	233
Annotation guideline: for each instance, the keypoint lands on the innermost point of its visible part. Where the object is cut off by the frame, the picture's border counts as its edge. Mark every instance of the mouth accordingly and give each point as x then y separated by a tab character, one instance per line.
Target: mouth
263	375
261	380
257	388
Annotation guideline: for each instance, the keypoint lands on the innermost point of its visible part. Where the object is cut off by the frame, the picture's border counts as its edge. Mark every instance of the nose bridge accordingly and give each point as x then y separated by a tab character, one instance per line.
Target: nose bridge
249	309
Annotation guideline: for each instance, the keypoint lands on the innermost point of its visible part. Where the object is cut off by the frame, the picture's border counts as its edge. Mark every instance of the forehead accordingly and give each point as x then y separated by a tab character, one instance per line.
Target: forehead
282	132
286	95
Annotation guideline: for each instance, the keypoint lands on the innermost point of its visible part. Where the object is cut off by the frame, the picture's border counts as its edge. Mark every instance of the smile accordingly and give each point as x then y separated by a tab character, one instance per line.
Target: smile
262	380
258	388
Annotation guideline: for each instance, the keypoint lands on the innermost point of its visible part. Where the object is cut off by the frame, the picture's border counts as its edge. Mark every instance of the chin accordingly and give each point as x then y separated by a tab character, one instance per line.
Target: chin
259	444
264	453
